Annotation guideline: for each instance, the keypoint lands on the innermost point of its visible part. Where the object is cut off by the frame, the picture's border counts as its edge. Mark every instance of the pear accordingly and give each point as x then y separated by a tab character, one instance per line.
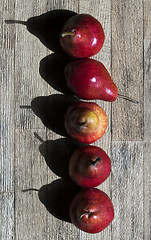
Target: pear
85	121
82	36
89	79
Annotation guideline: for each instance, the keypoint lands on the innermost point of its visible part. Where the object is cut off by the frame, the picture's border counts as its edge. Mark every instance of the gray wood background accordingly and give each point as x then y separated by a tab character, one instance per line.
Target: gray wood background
33	153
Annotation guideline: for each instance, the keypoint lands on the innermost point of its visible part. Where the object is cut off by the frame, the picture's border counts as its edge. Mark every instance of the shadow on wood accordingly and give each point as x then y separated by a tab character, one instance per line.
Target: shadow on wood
52	71
47	27
57	197
57	154
51	110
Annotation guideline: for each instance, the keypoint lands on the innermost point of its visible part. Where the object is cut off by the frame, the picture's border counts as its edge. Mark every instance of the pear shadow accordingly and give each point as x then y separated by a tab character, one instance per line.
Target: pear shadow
46	27
57	197
58	161
51	69
51	110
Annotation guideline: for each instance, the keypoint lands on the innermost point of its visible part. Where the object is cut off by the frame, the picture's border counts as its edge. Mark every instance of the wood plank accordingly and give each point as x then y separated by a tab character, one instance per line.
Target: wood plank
147	70
7	121
127	69
7	11
28	53
147	115
7	215
147	191
30	172
127	190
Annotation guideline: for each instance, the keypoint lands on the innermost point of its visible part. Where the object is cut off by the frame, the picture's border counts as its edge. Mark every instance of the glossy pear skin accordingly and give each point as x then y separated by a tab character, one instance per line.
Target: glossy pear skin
85	121
89	79
89	166
88	36
91	210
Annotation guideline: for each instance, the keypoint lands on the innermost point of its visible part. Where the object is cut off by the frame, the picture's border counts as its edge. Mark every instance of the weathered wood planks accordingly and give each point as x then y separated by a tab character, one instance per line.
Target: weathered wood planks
29	144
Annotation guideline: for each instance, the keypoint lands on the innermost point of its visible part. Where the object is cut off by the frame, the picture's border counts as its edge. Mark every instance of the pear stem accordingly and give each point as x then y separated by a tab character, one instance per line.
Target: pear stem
67	34
96	161
128	98
88	213
81	125
15	21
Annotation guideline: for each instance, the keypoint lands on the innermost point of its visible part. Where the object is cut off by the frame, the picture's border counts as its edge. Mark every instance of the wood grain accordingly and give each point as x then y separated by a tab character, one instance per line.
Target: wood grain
147	70
7	123
35	190
127	69
30	172
28	83
7	218
147	191
127	190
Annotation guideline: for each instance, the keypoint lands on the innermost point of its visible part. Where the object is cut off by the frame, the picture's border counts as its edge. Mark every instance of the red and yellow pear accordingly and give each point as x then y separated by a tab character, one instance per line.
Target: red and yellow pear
85	121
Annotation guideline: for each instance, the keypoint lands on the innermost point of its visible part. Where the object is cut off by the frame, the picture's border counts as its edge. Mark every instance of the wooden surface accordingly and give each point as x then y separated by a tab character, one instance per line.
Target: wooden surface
34	151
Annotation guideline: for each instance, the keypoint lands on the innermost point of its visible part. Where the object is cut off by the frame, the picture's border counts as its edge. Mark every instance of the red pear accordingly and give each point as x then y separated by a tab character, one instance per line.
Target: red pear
82	36
85	121
89	79
91	210
89	166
